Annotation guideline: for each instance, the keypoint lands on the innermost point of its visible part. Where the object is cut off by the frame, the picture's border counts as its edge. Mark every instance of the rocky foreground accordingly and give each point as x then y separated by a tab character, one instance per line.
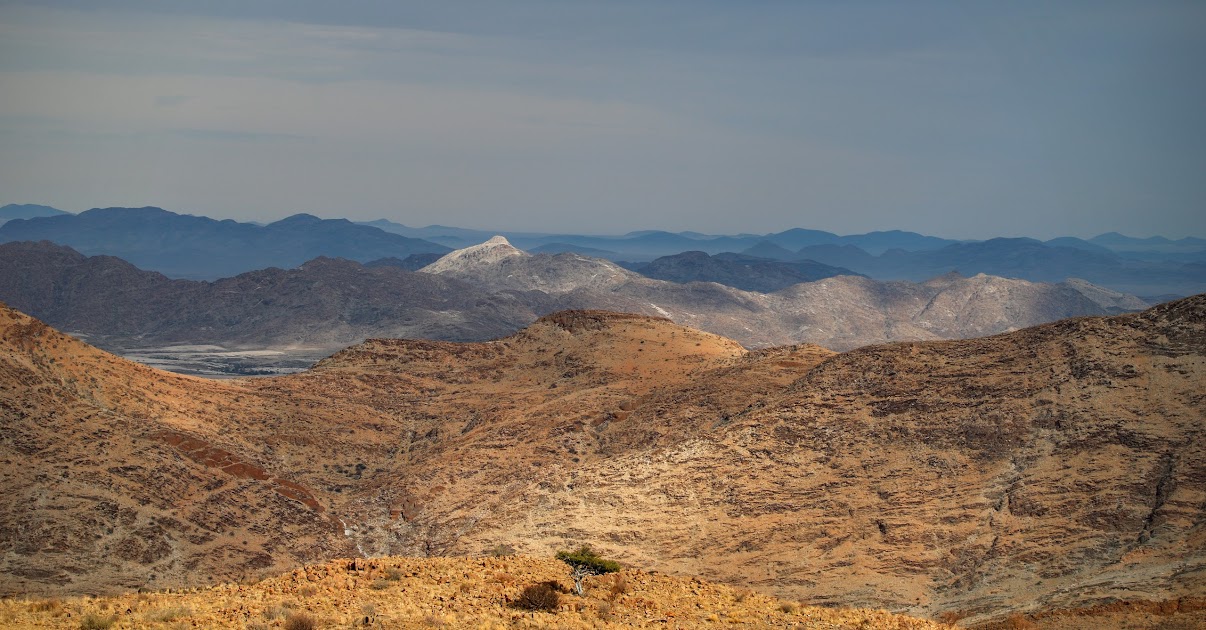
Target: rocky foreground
446	593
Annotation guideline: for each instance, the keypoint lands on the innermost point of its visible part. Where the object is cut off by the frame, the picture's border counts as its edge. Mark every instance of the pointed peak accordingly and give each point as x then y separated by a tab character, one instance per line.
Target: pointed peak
483	254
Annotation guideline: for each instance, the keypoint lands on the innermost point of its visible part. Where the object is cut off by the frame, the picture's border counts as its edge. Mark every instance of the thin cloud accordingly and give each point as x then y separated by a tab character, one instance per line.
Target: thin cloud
611	116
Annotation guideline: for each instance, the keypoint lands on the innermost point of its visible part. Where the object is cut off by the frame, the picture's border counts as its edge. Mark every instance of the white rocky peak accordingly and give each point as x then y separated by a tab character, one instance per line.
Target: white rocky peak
482	254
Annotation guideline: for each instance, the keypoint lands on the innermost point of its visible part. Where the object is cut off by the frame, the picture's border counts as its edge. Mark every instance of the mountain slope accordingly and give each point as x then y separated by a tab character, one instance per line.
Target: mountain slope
839	312
114	478
497	265
740	271
196	247
1056	467
1059	466
329	303
325	303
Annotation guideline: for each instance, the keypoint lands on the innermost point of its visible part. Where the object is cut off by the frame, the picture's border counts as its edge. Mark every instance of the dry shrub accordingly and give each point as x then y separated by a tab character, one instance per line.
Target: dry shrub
307	591
393	574
300	621
276	612
605	609
619	586
96	622
379	585
543	596
500	550
789	607
466	587
46	605
742	594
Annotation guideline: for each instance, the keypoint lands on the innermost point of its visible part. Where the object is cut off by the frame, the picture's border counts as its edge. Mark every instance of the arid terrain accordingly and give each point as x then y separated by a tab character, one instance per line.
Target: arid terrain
1059	467
449	593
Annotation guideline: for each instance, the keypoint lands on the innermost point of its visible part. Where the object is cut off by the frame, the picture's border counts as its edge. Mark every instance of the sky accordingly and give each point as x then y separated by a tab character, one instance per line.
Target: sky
962	119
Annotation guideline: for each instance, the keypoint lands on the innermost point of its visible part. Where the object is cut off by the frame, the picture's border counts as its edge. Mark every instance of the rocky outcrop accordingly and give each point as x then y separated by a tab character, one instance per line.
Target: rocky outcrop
491	252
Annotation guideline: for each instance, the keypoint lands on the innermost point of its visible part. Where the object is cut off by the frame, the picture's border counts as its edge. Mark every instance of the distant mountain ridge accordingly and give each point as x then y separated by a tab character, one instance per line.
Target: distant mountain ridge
325	302
27	211
741	271
1019	258
328	303
186	246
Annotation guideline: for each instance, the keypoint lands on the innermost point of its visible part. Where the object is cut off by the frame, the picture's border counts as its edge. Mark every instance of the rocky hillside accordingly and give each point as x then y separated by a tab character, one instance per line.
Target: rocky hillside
493	290
1054	468
496	265
841	312
325	303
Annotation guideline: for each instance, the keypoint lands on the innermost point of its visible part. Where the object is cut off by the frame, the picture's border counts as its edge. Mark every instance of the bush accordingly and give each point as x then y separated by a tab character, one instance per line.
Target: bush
543	596
300	621
96	622
280	610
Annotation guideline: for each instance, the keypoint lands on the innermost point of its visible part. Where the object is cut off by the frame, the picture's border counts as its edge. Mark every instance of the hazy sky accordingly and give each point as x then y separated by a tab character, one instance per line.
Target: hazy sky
962	119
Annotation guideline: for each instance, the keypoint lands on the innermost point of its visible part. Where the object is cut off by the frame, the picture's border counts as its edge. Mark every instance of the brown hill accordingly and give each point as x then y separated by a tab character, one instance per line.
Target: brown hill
1057	467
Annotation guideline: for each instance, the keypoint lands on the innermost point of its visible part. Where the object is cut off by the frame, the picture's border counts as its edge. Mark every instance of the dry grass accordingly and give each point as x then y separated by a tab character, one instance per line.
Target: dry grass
96	622
171	613
300	621
53	604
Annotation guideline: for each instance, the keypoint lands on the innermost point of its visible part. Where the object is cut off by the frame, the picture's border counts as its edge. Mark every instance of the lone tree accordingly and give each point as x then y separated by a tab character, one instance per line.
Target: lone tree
584	562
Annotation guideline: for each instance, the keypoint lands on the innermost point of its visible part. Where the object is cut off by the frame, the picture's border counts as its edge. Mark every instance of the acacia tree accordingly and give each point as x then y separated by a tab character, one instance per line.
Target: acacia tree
584	562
